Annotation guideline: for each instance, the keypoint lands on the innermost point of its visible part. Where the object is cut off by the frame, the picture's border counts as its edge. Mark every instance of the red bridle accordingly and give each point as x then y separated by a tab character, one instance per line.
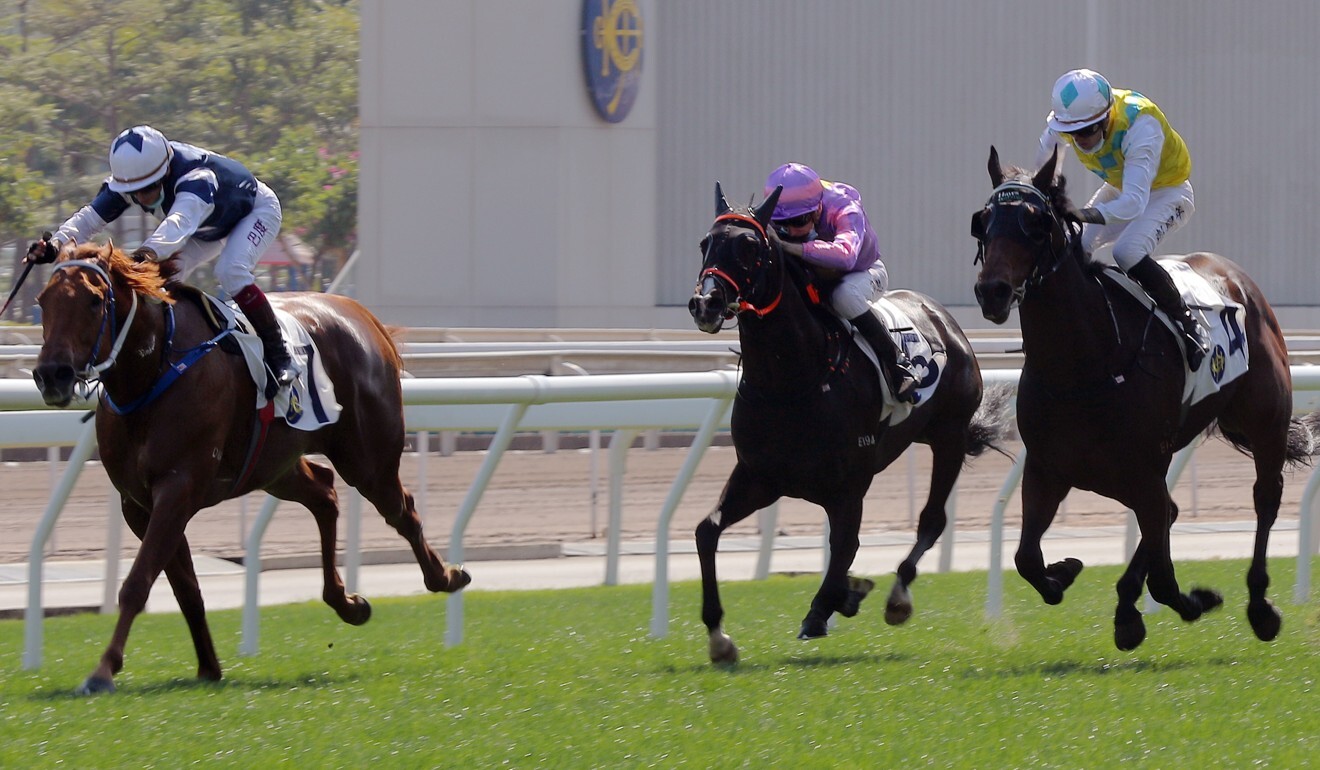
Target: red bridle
718	273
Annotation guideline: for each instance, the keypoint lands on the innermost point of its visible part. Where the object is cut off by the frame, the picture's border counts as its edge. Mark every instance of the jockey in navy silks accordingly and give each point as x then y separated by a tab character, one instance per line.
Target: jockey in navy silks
210	206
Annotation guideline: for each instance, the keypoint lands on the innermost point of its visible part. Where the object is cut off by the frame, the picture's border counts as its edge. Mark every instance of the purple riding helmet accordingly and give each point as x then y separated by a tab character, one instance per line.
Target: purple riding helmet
802	190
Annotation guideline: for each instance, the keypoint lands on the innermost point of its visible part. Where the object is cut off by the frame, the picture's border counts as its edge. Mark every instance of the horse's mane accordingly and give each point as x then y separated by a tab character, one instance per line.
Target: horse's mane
145	278
1057	195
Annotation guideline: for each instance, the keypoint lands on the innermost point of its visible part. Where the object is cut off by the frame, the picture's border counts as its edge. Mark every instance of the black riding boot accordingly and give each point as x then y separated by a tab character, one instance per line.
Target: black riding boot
1157	283
258	310
896	367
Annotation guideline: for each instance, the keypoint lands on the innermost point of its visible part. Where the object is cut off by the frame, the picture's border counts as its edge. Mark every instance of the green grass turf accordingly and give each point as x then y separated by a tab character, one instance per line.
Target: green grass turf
572	679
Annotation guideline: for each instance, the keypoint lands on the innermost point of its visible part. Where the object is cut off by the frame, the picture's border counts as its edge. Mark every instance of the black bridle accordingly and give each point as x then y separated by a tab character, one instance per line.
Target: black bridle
1051	246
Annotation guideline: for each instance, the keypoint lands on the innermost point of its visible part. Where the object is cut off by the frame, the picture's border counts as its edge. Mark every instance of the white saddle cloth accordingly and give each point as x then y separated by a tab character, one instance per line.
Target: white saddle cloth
309	403
927	363
1222	319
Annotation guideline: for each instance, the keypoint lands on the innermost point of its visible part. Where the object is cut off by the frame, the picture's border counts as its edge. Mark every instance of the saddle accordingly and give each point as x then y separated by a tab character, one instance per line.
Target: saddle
214	320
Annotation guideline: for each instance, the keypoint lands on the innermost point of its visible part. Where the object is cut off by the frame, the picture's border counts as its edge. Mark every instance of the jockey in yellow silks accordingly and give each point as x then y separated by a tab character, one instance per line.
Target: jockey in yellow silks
1123	138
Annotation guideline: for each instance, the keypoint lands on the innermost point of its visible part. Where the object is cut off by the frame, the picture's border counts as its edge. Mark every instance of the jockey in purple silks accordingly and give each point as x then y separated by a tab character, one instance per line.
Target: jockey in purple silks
208	205
823	224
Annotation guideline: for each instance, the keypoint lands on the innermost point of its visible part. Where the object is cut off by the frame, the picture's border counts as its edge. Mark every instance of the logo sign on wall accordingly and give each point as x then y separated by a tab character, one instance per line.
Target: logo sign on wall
612	55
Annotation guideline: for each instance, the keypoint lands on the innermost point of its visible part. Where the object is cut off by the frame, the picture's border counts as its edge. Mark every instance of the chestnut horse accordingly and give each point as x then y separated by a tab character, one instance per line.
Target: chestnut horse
1100	398
193	439
807	417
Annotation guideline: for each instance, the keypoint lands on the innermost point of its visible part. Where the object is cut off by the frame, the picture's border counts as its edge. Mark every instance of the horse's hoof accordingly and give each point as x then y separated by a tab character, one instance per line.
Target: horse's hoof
897	614
1065	572
898	608
723	652
1209	598
458	580
95	685
1129	636
813	629
858	588
358	610
1266	620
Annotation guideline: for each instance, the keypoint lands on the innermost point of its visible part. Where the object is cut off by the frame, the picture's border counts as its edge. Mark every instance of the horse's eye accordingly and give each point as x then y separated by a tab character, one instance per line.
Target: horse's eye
1034	224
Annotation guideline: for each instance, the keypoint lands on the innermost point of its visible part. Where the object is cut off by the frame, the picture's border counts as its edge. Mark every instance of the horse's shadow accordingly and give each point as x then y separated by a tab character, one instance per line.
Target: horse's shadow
192	684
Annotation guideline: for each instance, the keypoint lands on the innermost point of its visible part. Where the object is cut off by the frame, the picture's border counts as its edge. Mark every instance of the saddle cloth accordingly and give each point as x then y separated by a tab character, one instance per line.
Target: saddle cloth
926	362
309	403
1220	317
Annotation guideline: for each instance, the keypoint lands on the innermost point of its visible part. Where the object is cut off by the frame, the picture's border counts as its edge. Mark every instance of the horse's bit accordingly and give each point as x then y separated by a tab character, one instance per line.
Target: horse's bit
738	304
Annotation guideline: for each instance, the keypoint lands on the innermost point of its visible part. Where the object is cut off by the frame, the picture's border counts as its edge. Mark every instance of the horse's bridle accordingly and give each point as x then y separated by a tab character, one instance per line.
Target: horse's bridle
93	370
738	304
1058	239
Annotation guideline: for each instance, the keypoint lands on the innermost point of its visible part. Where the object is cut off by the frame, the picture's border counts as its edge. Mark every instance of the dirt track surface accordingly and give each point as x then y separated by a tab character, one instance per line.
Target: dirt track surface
537	497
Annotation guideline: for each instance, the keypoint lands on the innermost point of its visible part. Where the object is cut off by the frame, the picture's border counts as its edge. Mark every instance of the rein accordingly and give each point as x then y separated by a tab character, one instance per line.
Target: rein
91	373
739	304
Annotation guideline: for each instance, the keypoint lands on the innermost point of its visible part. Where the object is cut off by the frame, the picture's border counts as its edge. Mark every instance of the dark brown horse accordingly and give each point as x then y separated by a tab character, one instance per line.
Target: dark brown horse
1100	397
807	417
187	447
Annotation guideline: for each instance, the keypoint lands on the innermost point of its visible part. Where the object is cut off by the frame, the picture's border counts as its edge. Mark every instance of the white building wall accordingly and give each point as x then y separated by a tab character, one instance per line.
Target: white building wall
493	195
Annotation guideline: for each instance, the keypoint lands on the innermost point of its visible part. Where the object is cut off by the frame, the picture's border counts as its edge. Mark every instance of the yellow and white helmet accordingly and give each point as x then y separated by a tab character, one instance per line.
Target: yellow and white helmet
1081	98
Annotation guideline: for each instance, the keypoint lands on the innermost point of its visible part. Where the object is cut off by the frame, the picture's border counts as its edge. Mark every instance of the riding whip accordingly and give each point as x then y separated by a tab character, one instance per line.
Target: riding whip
46	236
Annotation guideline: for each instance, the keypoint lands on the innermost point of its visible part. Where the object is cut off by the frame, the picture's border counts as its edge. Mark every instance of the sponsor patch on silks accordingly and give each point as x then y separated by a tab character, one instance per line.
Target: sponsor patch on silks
927	363
1221	318
309	403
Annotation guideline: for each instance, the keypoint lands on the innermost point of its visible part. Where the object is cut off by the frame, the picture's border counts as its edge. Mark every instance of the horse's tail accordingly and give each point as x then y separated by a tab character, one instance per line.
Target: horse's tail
1303	440
991	424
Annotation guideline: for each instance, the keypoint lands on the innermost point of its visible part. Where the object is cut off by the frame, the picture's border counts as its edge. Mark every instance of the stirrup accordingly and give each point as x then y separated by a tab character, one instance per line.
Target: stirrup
1195	346
905	385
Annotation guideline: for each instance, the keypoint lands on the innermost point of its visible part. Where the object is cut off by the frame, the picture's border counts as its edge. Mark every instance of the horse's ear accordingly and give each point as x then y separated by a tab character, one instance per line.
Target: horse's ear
109	249
996	171
1044	178
722	206
767	207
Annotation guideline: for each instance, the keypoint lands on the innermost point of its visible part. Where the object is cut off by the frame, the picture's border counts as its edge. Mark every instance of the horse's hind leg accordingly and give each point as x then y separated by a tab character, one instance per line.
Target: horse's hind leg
1267	493
742	496
313	486
1155	517
947	452
381	486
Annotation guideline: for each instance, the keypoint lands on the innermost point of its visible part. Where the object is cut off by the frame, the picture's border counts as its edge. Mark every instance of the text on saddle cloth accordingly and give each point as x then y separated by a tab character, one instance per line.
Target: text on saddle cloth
309	403
1222	319
927	363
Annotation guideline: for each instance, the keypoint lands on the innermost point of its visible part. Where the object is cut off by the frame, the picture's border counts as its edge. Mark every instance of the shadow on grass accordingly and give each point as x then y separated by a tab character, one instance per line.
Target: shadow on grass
190	684
799	661
1094	668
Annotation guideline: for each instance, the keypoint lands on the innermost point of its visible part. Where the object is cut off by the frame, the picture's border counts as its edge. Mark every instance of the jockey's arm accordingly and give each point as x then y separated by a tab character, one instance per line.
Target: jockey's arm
1048	142
1142	146
843	250
186	216
92	218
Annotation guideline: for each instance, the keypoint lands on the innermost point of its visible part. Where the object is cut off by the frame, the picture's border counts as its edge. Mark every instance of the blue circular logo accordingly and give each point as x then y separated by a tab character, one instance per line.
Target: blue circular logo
612	55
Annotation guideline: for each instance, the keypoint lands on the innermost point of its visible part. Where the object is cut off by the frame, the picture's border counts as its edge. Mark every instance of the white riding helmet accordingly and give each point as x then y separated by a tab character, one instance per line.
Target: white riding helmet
1081	98
139	157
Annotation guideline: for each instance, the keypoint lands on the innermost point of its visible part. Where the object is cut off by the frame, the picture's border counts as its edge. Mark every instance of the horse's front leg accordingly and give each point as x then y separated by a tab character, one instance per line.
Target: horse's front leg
845	522
1042	492
742	495
947	453
161	538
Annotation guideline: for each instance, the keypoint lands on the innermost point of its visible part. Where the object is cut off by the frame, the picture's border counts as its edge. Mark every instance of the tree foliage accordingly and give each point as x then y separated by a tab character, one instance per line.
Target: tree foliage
272	83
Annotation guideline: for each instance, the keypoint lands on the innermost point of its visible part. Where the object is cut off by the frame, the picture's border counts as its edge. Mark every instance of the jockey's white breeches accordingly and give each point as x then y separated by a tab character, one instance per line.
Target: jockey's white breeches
241	250
1168	209
856	291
